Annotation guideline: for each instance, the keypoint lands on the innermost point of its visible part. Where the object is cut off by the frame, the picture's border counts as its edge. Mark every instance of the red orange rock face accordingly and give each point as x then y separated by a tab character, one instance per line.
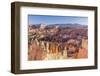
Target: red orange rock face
57	43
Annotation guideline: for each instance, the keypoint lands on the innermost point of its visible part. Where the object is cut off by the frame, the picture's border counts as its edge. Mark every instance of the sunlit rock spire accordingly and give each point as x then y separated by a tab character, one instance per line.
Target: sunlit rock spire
42	26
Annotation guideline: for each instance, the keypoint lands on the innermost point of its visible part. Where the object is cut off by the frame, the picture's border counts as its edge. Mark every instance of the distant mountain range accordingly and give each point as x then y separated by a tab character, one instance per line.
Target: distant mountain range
61	25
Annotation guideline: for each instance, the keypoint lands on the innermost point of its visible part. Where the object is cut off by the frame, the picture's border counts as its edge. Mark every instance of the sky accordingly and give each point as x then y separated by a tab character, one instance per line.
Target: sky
47	19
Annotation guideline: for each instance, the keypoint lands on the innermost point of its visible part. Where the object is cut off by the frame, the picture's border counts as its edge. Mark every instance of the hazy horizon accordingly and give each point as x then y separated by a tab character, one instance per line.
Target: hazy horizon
49	20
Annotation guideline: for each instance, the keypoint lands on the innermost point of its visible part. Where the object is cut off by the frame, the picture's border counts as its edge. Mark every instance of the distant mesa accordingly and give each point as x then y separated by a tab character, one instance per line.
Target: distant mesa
43	25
